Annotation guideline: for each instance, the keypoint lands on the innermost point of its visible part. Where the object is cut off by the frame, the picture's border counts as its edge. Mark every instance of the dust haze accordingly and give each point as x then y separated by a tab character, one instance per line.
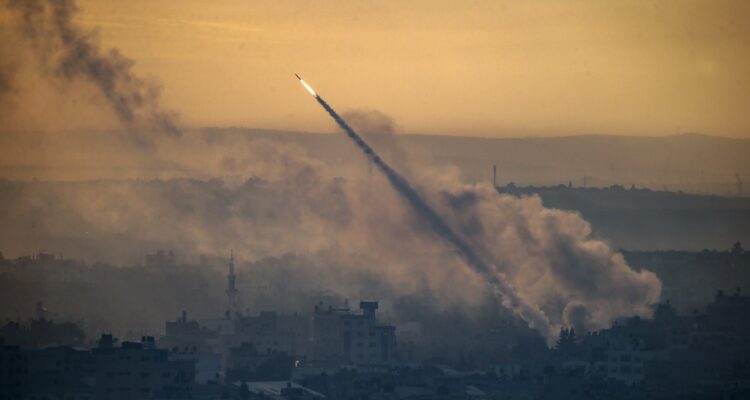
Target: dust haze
208	194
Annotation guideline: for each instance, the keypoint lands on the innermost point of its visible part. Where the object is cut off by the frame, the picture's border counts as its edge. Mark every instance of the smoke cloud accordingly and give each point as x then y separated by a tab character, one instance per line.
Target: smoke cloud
68	54
360	238
510	298
215	192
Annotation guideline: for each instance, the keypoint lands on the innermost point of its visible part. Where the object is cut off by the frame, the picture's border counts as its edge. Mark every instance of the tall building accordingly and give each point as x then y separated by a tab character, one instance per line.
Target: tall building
232	292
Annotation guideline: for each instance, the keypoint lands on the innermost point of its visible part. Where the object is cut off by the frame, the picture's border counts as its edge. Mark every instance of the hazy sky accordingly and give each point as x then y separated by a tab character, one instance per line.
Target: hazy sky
475	68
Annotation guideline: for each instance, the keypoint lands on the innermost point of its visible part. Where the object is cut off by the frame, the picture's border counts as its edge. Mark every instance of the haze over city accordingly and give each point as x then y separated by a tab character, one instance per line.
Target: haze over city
459	200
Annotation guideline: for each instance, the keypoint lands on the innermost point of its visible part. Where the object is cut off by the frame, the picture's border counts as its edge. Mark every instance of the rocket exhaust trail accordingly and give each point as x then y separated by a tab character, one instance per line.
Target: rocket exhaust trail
510	298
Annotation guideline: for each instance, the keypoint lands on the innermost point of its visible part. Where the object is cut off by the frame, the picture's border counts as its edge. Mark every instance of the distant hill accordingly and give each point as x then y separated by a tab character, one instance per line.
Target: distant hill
709	214
688	162
641	219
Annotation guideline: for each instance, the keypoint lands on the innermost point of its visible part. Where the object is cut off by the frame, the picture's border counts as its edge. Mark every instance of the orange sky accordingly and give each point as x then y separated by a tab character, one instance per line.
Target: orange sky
516	68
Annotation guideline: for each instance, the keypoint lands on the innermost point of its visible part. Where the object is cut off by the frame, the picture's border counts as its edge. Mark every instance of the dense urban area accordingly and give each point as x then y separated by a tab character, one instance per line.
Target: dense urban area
485	200
697	345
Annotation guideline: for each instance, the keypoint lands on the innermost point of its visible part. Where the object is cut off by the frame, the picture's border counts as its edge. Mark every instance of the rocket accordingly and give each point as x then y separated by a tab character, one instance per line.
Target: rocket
440	226
309	89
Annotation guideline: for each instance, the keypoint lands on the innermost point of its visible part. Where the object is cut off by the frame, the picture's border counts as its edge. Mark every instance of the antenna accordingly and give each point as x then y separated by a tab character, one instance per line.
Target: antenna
494	175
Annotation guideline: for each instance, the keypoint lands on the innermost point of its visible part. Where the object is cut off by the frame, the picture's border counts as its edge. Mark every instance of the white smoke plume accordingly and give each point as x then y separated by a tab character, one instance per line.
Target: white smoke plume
546	257
268	198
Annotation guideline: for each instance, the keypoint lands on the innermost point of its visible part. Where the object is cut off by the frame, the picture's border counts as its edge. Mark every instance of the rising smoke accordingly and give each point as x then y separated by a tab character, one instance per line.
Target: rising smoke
510	298
362	240
269	198
69	54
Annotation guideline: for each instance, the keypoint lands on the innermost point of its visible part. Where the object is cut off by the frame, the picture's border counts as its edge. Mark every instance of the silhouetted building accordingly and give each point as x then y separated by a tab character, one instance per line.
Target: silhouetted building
161	259
245	357
139	370
186	335
342	337
208	366
61	372
281	390
270	331
14	372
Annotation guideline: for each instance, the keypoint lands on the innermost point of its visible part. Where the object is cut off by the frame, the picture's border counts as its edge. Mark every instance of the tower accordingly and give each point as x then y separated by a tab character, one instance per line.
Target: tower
232	291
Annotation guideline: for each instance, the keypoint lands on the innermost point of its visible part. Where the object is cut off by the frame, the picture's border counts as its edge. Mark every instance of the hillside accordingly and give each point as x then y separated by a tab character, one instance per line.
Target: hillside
690	162
642	219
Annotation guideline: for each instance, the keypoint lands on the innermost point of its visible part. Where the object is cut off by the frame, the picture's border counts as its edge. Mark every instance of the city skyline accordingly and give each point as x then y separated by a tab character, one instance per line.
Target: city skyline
490	199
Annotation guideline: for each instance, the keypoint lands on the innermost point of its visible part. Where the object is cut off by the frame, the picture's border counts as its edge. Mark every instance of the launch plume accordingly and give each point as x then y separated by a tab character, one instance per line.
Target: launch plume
510	298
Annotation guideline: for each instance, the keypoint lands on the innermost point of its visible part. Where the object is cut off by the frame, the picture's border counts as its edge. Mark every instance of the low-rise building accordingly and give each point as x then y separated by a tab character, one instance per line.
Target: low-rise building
139	370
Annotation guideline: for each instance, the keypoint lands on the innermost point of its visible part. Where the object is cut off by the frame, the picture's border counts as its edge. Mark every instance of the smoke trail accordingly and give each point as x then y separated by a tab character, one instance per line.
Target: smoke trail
70	53
510	298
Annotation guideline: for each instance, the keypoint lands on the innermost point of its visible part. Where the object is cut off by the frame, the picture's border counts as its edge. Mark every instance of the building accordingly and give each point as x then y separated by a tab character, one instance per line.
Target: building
280	390
139	370
14	372
245	357
58	371
343	337
188	335
208	366
161	259
271	332
625	365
